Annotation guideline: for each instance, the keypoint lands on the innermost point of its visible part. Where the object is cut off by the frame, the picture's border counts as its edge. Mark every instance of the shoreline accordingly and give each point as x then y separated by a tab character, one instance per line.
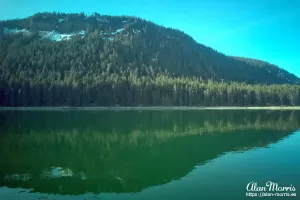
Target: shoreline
149	108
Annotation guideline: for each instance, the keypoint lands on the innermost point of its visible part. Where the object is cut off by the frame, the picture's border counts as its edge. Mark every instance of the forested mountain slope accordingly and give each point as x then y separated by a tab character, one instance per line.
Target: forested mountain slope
80	60
270	68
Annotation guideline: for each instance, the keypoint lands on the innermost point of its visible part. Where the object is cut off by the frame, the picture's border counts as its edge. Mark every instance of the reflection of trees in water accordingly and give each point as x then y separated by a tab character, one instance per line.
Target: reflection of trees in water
145	154
277	121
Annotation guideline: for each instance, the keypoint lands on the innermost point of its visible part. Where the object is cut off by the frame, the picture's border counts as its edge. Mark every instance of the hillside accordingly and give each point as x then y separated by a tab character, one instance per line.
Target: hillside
52	58
270	68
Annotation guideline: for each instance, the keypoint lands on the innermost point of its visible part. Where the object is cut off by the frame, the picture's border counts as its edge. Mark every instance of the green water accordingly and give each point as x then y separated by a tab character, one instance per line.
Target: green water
159	154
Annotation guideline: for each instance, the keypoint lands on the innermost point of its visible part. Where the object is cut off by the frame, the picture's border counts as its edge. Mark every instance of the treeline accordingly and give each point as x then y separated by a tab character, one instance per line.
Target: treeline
162	90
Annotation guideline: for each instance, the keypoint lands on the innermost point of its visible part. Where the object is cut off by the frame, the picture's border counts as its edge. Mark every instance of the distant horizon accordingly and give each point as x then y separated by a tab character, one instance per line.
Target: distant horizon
269	32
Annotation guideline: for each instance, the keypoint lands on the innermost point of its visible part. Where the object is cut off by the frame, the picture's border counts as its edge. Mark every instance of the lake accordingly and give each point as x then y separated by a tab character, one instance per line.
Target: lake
146	154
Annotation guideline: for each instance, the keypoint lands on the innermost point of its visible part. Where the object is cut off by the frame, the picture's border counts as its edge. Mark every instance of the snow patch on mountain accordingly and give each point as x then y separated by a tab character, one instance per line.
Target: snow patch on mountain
111	38
58	37
61	20
118	31
136	31
52	35
55	36
16	31
82	33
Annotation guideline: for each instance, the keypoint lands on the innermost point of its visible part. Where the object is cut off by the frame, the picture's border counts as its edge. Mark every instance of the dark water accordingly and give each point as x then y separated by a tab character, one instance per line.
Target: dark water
146	154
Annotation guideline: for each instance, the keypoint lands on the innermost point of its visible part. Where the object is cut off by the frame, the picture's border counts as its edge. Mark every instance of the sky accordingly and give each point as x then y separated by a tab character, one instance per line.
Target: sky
267	30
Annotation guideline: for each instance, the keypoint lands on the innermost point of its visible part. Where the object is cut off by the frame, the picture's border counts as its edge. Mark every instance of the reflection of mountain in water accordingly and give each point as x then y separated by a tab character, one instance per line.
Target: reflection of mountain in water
106	151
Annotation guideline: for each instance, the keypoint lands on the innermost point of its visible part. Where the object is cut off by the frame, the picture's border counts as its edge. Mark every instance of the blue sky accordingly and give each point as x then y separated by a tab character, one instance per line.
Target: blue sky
263	29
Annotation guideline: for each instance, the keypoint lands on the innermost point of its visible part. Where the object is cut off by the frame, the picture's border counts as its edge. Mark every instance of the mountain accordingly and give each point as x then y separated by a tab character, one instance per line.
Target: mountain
135	41
76	51
270	68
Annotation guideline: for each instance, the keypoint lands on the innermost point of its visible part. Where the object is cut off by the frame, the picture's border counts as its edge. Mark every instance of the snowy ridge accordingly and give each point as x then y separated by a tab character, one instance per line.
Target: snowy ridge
58	37
51	35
